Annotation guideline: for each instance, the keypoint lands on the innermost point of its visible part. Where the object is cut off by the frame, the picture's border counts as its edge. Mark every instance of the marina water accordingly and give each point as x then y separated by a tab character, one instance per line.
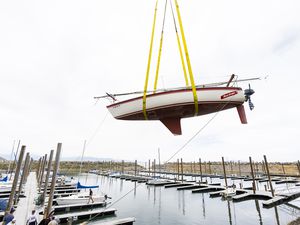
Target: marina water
159	205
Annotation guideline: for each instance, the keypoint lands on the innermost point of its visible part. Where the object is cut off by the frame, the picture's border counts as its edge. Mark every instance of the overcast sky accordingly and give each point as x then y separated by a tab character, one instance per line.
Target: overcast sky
55	56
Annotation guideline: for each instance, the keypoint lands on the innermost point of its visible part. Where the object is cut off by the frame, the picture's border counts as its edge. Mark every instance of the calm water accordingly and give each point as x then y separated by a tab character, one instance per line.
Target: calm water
157	205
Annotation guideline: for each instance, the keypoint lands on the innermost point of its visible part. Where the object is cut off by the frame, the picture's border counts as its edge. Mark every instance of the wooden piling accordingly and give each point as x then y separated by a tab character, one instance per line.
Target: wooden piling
263	167
38	169
16	178
23	176
42	172
240	172
194	163
149	165
135	167
181	170
154	169
178	169
298	166
53	182
231	168
200	168
252	174
269	177
123	167
47	178
224	171
283	170
209	167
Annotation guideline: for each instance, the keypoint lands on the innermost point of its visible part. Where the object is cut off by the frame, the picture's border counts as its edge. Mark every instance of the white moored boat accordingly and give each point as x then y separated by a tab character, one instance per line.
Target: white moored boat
228	192
80	199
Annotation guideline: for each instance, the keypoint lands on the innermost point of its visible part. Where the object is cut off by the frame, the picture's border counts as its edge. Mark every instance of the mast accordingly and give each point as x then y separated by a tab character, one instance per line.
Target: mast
83	150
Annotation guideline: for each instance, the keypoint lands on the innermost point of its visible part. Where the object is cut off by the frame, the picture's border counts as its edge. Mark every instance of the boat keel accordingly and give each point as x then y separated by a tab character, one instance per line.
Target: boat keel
173	124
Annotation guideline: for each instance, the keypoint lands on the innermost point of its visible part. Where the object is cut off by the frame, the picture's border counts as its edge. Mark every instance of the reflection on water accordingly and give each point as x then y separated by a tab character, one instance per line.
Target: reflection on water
258	212
158	205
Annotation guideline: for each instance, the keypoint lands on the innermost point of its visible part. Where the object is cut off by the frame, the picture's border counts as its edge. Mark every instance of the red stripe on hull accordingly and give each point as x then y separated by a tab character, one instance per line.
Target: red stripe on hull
180	111
175	91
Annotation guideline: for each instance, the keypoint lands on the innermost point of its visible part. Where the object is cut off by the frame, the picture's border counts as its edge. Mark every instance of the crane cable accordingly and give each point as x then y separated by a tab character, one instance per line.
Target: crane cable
148	66
179	47
187	59
160	48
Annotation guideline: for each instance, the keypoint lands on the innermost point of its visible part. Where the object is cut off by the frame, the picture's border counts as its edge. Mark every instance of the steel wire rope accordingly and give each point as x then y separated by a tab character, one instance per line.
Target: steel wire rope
180	149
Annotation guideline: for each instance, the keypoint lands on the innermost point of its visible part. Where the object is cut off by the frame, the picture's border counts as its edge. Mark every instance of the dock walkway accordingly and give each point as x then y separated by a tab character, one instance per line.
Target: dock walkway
25	205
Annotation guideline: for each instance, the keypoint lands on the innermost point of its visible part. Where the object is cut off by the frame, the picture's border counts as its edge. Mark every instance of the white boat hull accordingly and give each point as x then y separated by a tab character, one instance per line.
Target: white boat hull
170	106
78	199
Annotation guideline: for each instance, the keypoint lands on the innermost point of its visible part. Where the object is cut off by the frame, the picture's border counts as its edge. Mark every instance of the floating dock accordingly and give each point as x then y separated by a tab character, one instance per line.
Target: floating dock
86	214
125	221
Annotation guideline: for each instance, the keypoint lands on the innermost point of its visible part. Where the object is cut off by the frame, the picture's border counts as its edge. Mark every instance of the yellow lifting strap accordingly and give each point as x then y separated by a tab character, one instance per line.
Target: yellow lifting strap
180	49
188	60
148	66
160	49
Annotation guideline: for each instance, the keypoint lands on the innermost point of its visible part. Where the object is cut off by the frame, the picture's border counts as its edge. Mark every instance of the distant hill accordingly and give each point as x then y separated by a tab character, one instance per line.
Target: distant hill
2	159
87	158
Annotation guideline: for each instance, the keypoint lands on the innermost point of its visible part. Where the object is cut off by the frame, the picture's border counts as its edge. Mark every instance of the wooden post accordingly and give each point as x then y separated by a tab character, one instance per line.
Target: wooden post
209	167
269	177
23	176
231	167
263	167
53	182
298	166
194	166
43	171
283	170
135	167
178	170
149	165
181	170
252	174
154	169
38	169
122	166
16	178
200	167
240	172
47	178
28	168
224	171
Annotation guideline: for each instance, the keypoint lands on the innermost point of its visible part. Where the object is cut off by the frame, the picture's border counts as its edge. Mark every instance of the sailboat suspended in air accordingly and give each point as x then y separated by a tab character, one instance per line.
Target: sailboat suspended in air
171	105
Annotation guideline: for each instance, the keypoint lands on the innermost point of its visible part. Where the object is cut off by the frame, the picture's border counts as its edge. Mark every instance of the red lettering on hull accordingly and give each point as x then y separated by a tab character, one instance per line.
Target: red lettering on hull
229	94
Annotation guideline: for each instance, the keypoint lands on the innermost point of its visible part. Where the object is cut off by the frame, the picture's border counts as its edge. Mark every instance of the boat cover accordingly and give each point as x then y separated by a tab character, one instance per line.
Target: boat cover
79	186
4	179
